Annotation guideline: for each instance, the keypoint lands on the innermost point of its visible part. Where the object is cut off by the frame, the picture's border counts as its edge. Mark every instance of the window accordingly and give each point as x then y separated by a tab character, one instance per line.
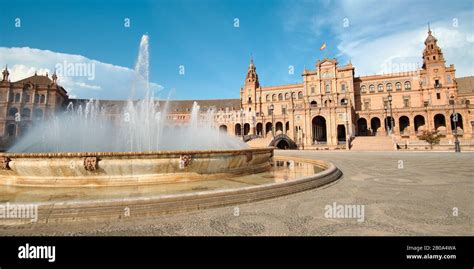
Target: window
343	101
283	110
268	98
328	89
11	130
434	57
389	87
312	89
398	86
280	97
17	98
38	113
363	89
448	78
43	99
26	112
314	104
27	98
437	84
366	104
343	88
407	86
380	88
372	88
406	102
287	96
12	111
438	95
300	95
11	97
37	98
274	97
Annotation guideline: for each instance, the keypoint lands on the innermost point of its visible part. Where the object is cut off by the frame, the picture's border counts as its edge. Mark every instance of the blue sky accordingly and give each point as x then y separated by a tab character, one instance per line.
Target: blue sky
200	35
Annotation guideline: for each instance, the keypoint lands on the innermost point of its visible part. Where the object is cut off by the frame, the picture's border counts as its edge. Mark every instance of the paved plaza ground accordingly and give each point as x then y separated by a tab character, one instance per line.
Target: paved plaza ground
403	193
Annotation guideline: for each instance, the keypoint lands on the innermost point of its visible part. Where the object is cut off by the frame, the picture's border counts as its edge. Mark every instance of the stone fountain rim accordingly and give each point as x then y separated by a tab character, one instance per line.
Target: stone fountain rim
131	153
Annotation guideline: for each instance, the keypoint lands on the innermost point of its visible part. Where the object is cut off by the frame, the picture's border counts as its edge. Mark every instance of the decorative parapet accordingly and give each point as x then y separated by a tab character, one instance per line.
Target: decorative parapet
91	164
5	163
185	161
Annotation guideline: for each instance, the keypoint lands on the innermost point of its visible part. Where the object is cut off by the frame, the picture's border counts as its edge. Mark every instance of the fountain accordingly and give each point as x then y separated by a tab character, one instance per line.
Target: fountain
86	148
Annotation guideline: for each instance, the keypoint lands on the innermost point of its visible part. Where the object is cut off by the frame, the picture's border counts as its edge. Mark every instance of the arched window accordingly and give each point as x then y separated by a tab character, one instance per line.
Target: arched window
314	104
268	98
43	99
11	130
343	87
287	96
280	97
12	111
38	113
372	88
274	97
398	86
389	87
300	95
407	86
17	98
327	88
380	88
363	89
26	112
343	101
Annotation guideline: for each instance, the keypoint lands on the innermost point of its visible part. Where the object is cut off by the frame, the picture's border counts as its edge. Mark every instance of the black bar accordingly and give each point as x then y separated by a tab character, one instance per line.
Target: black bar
240	250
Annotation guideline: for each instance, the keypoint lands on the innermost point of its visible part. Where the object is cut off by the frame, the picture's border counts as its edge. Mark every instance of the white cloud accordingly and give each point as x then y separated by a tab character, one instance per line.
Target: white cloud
80	76
392	31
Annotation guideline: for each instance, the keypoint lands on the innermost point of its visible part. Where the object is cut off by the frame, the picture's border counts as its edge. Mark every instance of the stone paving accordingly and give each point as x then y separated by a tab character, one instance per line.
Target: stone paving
403	193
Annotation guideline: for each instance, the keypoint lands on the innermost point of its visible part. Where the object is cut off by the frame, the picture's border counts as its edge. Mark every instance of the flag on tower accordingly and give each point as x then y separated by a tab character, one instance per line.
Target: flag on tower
323	46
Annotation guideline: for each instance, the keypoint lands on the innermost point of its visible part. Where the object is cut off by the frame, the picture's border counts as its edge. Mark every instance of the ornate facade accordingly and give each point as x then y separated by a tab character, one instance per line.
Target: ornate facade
330	108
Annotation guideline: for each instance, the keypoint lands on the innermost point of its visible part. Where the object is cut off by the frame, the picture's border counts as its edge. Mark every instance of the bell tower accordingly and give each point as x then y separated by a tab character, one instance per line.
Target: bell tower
248	93
432	54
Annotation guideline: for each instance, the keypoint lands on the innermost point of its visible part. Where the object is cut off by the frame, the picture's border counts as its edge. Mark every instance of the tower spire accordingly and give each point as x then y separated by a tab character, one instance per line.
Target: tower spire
5	73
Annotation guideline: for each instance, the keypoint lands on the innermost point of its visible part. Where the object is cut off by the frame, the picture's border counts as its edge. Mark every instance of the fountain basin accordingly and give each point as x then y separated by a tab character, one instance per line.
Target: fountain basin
100	169
61	205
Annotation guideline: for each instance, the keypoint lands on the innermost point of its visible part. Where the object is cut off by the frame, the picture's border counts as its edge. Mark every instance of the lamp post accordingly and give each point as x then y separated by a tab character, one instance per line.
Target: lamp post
457	146
346	103
273	119
391	115
386	117
242	123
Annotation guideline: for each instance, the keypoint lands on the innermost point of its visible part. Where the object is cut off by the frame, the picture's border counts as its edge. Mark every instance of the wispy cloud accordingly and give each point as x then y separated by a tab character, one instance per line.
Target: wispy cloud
371	33
80	76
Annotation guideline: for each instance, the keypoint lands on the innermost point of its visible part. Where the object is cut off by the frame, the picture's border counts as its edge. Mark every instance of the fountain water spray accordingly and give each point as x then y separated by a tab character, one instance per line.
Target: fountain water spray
142	126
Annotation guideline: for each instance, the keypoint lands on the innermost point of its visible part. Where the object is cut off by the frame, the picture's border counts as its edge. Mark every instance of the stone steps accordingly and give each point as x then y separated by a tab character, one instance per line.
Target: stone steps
372	143
260	142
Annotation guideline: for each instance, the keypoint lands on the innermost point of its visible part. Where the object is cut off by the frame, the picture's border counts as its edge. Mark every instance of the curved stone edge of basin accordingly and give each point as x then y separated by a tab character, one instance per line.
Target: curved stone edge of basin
144	207
106	169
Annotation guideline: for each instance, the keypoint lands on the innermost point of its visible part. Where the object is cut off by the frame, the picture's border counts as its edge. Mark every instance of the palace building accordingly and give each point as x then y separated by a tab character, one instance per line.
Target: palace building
331	108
